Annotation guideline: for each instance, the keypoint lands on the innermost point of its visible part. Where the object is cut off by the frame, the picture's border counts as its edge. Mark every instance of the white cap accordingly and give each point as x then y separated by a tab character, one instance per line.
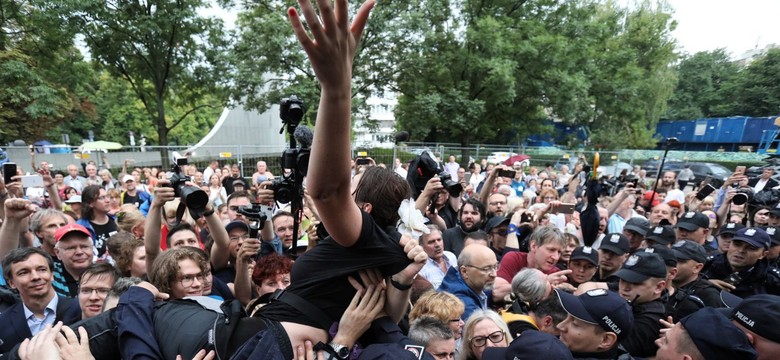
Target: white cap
127	178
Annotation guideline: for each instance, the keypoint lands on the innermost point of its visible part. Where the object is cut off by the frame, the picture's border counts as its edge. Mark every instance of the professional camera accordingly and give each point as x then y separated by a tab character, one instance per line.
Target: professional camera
291	110
295	158
742	196
426	166
192	197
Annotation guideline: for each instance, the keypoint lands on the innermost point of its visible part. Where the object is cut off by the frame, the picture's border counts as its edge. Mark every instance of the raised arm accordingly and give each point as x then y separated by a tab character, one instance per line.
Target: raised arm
331	51
220	252
162	194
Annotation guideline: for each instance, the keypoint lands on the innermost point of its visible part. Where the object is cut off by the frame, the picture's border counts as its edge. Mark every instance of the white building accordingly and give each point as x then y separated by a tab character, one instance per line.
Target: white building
380	134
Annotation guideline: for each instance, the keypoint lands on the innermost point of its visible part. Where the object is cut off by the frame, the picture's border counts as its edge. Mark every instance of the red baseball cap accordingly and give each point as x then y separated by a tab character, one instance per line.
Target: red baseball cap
67	229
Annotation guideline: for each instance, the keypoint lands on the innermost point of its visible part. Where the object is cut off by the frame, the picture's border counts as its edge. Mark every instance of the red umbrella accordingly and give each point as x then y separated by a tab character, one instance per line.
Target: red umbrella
511	161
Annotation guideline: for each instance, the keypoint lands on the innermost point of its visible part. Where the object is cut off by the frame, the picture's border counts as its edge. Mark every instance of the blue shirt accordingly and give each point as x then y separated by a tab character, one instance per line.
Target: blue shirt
49	314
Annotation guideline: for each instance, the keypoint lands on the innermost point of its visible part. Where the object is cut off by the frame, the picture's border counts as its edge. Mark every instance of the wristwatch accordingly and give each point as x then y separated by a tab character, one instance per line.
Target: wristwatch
341	351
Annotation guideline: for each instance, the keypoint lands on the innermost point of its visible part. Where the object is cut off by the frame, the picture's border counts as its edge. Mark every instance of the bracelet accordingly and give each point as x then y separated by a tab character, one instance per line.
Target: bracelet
512	229
400	286
208	213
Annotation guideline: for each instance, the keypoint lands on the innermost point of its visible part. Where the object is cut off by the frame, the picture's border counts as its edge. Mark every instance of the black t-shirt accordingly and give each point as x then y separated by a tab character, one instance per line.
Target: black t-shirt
320	275
449	215
130	199
102	233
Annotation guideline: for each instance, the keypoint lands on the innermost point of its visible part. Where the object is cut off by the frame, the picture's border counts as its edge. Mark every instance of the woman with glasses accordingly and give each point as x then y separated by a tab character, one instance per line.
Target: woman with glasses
442	306
483	329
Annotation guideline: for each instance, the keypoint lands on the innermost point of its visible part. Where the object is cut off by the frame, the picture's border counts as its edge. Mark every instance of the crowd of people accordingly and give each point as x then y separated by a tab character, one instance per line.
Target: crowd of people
512	262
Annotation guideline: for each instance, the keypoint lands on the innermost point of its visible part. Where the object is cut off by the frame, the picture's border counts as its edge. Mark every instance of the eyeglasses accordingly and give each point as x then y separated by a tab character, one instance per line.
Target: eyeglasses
497	203
238	238
487	269
89	291
188	280
548	198
480	341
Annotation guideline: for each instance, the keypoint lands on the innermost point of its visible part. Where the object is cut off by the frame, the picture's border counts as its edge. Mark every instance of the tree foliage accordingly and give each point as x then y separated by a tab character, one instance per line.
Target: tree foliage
706	81
45	80
168	54
268	64
510	66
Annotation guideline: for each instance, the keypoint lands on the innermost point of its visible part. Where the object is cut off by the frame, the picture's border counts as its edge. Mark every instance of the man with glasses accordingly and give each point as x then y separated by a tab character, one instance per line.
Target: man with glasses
497	204
74	250
28	271
475	274
94	286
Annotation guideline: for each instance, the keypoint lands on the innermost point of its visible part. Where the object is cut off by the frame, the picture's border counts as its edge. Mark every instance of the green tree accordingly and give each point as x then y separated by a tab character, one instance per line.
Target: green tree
758	91
268	64
168	54
45	80
705	81
634	80
503	67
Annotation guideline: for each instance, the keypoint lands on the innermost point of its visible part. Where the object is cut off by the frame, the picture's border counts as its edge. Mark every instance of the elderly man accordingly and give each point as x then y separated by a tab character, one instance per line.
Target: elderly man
475	273
74	249
439	260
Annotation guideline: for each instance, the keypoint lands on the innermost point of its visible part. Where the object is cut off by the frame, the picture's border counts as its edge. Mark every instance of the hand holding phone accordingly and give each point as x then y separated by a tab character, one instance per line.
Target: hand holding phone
9	171
740	170
704	192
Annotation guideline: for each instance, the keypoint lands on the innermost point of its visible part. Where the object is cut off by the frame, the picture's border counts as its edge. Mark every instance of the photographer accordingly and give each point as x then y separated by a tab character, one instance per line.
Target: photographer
436	198
163	193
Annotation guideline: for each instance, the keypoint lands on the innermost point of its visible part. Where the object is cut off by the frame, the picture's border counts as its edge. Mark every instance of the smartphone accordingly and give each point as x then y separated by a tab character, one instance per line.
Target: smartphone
740	169
705	191
507	173
9	171
565	208
362	161
526	218
32	181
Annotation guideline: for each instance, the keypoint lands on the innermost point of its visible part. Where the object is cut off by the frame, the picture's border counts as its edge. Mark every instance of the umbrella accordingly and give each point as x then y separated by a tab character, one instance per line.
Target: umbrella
100	145
511	161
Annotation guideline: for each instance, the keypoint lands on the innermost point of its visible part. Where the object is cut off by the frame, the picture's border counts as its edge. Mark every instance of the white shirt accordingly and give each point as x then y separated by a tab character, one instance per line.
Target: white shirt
433	273
760	185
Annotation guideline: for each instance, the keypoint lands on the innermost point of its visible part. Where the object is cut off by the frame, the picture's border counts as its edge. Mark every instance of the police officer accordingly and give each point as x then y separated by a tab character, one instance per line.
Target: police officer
690	291
643	283
725	235
705	335
744	270
661	235
773	256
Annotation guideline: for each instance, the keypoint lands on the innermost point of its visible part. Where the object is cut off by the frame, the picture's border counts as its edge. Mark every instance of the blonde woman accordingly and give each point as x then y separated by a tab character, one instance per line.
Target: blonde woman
484	328
442	306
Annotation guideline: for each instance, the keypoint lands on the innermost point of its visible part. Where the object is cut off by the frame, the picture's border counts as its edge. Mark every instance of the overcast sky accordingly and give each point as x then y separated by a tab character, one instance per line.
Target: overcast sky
702	25
738	26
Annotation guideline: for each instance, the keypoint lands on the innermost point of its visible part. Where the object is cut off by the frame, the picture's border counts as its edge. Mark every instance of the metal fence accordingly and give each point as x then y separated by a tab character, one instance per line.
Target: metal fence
247	156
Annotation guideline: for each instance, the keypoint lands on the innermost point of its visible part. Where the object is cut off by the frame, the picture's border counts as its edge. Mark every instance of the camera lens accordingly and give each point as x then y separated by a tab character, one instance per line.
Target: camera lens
739	199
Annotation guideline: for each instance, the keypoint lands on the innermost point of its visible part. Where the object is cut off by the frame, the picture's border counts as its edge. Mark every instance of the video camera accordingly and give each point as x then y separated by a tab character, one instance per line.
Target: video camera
192	197
291	112
425	167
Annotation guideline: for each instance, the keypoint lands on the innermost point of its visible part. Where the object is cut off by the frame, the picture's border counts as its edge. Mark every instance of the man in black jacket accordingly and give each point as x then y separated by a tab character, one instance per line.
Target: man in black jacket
691	291
643	283
763	182
744	270
28	271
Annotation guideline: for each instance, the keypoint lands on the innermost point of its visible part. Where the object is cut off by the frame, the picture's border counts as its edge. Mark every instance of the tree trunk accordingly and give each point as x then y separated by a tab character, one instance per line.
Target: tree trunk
162	133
